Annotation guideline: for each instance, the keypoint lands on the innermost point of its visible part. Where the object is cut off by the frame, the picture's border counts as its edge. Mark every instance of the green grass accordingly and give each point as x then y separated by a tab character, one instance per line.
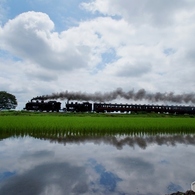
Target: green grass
60	123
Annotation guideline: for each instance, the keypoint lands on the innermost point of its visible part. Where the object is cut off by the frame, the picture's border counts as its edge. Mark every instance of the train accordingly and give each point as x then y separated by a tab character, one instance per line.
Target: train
55	106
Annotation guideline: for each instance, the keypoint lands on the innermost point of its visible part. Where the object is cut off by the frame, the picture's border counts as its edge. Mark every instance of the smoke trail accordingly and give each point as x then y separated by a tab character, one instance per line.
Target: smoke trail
119	93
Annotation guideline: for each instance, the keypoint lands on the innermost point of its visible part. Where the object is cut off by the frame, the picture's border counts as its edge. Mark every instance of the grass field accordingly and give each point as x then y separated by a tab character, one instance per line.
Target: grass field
91	123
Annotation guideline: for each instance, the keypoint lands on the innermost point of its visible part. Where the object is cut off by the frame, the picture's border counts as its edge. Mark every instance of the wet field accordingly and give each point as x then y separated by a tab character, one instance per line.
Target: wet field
103	164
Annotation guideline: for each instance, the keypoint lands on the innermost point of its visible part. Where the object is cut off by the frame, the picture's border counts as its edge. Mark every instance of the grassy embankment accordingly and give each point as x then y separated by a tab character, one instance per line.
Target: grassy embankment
84	123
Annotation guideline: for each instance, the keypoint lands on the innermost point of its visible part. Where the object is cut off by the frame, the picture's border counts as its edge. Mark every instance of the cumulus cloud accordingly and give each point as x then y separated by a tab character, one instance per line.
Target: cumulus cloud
31	37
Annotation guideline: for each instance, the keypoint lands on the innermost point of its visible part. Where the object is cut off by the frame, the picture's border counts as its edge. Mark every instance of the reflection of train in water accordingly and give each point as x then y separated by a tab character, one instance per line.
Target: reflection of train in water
107	107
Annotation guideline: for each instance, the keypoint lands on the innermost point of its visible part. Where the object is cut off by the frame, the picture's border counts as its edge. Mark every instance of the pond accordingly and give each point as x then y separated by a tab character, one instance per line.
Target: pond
122	165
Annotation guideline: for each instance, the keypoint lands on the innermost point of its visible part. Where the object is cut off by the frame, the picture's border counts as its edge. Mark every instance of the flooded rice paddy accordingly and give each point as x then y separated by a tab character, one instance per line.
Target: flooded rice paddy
72	164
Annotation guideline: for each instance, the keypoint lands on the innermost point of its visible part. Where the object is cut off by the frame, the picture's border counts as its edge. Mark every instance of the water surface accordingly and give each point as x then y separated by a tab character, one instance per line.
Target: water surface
136	164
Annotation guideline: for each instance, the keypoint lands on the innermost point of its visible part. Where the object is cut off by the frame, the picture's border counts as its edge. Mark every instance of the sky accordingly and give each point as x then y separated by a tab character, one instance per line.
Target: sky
49	46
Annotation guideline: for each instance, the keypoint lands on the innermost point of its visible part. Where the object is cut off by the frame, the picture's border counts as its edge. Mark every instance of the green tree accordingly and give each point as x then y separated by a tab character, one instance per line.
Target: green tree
7	100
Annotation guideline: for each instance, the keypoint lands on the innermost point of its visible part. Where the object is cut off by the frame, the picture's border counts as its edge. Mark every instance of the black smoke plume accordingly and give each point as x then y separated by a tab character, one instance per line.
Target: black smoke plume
119	93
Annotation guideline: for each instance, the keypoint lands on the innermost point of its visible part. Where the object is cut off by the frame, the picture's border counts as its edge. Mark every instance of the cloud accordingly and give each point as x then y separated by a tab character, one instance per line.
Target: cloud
40	73
136	165
53	178
42	154
133	70
30	36
141	12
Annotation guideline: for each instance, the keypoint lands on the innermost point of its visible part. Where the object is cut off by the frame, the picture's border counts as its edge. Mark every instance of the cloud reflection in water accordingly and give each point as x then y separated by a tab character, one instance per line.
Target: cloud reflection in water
97	165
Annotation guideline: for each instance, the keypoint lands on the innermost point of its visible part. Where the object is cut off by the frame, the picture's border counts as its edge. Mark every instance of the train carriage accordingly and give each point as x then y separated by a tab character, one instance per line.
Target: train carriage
79	107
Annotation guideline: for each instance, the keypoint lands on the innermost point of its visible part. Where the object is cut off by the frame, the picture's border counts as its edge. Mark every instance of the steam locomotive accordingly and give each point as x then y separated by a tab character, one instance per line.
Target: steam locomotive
43	106
107	107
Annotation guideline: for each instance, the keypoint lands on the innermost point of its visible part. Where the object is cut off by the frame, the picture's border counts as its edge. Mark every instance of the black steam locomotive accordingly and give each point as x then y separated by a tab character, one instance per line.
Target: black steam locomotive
43	106
107	107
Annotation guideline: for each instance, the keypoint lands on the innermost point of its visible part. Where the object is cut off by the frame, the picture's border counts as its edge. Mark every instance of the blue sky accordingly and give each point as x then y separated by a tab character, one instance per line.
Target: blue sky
96	45
63	13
